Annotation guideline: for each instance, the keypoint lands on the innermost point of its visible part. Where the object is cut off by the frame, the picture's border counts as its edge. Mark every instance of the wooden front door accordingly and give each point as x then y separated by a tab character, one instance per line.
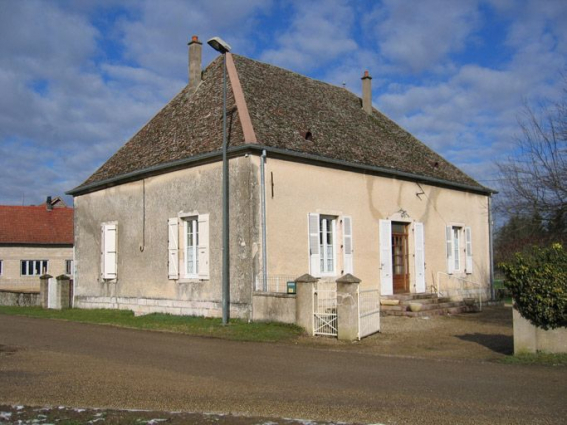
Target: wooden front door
400	262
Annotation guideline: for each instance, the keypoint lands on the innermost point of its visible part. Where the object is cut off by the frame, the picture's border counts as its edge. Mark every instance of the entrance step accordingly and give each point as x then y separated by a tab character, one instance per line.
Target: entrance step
431	305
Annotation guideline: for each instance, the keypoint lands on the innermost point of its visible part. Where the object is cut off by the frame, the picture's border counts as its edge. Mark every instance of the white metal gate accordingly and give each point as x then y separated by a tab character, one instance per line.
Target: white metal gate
369	312
325	309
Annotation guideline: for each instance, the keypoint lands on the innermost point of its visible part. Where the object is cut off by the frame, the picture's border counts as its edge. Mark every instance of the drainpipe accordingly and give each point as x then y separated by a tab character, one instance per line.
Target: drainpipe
490	225
263	201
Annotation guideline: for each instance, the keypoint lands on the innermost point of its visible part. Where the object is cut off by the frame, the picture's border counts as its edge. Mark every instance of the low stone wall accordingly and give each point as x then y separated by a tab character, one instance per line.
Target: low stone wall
273	307
141	306
531	339
14	297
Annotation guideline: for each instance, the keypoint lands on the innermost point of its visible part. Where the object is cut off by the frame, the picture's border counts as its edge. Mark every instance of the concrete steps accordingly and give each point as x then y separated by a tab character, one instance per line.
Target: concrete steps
431	305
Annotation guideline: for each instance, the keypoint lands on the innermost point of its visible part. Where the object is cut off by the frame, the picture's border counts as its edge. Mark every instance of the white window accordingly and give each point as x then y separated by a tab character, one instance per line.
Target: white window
191	244
327	238
69	267
195	247
456	249
322	232
33	267
109	252
455	244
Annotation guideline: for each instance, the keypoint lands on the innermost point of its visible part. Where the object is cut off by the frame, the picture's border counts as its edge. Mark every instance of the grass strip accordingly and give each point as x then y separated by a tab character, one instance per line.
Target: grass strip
237	330
545	359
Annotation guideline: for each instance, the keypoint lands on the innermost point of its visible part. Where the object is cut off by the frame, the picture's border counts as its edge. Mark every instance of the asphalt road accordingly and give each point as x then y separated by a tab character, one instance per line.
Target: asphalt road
47	362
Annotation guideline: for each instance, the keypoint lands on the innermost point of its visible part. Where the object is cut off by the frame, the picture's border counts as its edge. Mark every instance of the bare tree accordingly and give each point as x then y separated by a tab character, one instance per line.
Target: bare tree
534	179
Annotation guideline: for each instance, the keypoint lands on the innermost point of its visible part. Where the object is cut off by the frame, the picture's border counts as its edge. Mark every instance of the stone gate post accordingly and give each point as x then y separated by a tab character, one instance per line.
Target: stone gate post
304	302
347	307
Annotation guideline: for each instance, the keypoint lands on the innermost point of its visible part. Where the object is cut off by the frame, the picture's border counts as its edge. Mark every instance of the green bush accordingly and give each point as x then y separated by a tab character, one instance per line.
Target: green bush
537	282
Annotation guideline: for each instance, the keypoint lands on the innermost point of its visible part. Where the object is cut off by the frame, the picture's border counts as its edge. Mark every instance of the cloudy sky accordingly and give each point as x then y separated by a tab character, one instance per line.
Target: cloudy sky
78	77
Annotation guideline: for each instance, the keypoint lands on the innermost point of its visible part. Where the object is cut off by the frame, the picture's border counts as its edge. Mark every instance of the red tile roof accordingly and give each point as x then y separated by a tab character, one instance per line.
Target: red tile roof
36	225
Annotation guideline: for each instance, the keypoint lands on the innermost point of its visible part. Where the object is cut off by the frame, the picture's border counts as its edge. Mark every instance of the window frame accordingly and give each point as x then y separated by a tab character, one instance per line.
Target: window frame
324	270
456	248
194	221
33	264
69	267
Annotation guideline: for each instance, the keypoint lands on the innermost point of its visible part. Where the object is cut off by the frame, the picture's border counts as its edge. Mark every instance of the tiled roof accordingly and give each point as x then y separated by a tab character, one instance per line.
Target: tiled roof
283	107
36	225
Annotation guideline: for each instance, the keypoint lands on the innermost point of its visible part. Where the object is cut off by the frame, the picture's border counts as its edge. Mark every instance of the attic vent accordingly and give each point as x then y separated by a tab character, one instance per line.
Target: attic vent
309	136
436	164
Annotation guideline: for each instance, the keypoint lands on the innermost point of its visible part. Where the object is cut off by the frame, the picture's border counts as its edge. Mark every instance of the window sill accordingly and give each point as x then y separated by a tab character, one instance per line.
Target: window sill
191	280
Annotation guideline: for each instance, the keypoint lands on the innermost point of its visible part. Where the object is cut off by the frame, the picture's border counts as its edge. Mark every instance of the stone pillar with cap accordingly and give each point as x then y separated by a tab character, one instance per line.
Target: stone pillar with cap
44	288
348	307
367	93
305	286
195	54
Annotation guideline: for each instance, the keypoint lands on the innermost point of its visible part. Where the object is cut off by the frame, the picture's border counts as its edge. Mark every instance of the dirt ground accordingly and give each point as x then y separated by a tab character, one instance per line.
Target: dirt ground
481	336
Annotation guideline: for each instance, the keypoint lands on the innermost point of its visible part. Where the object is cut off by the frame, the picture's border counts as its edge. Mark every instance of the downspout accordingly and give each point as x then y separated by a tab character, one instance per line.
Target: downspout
263	202
491	252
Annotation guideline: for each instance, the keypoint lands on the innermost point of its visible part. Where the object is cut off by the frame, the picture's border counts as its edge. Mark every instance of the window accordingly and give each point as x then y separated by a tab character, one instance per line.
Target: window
109	254
327	244
33	267
455	245
322	231
191	245
69	267
195	247
456	249
0	267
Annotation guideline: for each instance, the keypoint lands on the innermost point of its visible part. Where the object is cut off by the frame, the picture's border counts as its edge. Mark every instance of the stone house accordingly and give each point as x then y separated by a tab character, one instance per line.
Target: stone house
320	183
35	240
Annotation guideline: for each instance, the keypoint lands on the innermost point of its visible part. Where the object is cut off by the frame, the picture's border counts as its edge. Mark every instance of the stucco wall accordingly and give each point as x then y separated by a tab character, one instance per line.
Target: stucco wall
143	274
530	339
274	308
300	189
11	264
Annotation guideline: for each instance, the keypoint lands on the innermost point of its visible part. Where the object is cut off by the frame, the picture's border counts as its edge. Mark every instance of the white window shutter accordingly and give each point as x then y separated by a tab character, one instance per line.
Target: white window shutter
109	252
203	248
449	240
468	248
314	254
419	258
347	245
386	278
173	248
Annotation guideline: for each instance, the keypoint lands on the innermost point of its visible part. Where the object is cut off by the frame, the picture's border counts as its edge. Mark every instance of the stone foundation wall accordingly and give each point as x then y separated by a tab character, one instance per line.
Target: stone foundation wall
141	306
20	298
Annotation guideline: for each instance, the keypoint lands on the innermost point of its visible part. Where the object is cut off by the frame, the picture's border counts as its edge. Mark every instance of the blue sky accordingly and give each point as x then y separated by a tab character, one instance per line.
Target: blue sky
78	78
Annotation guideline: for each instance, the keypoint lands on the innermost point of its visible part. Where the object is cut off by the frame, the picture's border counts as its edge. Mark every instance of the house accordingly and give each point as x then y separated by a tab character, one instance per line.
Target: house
320	183
35	240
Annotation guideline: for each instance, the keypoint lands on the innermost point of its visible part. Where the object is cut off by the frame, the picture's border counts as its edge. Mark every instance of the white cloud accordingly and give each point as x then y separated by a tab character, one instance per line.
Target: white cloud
316	36
419	35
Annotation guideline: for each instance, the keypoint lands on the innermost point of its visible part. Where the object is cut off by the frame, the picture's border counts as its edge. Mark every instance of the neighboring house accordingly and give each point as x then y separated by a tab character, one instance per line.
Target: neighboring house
35	240
336	186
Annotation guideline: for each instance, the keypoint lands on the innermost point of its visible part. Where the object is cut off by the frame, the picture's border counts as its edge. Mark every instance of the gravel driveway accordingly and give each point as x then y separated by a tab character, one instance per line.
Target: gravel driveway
481	336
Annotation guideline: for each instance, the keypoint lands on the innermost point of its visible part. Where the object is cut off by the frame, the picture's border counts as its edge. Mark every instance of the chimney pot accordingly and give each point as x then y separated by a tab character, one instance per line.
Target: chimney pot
195	53
367	93
48	203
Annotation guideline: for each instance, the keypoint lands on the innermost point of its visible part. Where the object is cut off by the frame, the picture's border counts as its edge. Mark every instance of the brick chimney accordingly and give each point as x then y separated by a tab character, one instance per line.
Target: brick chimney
48	203
367	93
195	52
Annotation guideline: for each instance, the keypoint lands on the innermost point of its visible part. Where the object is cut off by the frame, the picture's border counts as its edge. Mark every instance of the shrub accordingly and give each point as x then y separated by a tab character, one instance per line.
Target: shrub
537	282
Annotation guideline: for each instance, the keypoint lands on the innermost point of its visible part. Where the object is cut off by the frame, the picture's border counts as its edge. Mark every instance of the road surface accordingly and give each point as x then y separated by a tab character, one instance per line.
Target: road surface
48	362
